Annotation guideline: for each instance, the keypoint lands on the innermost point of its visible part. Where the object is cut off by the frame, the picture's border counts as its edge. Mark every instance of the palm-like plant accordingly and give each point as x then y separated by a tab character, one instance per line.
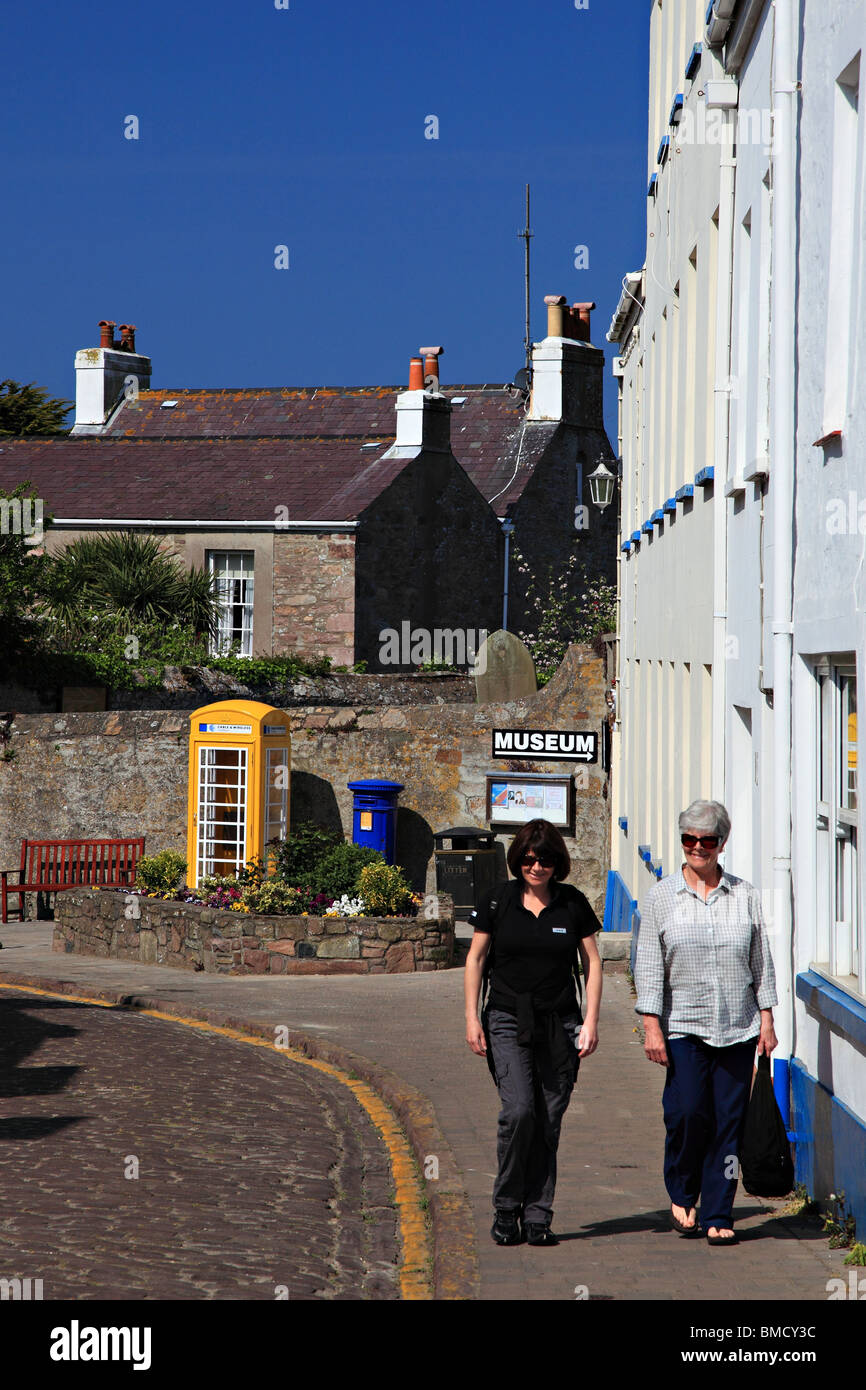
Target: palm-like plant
123	580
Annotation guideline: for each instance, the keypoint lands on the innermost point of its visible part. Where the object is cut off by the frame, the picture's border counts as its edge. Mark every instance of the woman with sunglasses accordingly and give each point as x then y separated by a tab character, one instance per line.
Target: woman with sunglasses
531	1030
706	989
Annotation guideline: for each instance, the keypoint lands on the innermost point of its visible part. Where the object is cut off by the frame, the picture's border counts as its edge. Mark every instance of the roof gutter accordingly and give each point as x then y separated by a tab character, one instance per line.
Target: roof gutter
720	16
625	308
179	524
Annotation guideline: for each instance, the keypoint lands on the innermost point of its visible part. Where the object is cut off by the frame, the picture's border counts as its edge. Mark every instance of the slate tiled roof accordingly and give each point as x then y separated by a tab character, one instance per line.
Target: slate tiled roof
238	455
189	480
305	411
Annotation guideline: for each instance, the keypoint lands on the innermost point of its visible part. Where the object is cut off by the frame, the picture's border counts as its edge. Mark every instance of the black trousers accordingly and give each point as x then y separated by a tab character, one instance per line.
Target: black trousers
534	1099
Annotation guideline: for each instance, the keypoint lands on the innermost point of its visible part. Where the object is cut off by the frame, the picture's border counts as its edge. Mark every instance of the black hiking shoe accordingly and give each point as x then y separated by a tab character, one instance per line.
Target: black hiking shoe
539	1234
506	1228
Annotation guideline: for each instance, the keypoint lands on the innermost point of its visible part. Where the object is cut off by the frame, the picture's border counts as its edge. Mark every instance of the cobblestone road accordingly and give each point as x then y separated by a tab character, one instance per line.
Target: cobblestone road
254	1172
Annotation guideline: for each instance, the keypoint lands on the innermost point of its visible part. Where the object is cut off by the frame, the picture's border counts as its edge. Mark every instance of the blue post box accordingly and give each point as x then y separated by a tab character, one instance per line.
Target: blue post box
374	814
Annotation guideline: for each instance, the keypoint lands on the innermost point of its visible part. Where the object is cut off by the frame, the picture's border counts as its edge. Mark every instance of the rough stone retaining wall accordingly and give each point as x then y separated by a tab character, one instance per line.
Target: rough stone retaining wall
124	773
93	922
195	686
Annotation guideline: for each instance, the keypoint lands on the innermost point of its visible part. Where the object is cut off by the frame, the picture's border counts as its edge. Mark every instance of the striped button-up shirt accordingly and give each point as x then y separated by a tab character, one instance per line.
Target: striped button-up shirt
704	966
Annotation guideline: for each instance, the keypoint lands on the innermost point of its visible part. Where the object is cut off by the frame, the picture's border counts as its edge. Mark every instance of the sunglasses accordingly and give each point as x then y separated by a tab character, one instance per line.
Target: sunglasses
543	861
705	841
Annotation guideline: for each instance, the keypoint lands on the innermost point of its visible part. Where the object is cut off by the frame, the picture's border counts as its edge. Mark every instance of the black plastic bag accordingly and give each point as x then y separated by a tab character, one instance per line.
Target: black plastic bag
765	1162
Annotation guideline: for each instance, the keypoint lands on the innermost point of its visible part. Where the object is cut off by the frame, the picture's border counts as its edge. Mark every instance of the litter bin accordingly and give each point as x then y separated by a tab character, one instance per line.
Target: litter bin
467	868
374	814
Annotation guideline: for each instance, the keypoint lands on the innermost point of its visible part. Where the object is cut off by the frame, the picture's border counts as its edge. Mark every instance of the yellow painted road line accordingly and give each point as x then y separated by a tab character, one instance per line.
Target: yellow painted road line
414	1266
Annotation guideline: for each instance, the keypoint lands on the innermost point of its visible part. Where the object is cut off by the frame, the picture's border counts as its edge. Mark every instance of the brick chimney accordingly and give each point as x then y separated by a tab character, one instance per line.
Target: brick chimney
423	414
567	371
102	376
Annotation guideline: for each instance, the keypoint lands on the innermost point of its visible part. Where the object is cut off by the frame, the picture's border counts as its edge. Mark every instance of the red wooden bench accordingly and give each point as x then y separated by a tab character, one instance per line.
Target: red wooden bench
50	866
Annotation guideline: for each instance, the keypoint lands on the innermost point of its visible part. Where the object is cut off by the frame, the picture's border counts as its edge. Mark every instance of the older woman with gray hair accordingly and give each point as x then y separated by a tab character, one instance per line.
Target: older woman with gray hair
706	989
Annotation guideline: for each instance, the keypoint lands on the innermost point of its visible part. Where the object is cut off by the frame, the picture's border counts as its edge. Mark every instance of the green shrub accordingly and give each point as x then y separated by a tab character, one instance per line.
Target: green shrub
272	898
269	670
856	1255
384	890
297	857
340	870
160	873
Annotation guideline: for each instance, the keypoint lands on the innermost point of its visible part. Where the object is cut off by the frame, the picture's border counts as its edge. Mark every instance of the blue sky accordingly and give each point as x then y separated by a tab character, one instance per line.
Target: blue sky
305	127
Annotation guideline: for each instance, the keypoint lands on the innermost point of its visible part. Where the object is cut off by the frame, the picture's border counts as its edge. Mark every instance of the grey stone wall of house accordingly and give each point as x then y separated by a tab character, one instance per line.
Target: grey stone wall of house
124	772
95	922
544	517
429	552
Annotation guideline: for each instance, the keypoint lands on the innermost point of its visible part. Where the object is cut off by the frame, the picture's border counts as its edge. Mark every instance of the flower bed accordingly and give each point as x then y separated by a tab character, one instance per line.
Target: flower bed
191	936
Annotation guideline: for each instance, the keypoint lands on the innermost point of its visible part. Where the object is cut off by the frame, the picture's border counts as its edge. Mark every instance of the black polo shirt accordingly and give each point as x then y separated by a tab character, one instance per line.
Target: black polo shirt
535	955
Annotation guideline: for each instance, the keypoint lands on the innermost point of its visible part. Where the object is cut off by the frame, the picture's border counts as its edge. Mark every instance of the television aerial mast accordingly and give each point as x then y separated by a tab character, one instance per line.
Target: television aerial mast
526	235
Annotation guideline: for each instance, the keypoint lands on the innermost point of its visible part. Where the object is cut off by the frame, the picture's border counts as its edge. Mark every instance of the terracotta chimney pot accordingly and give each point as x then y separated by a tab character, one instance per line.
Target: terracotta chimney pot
127	337
106	333
555	314
416	374
583	312
431	357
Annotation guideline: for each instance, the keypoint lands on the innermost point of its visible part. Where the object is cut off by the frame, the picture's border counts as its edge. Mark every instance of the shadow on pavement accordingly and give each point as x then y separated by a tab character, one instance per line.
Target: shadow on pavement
21	1035
36	1127
773	1227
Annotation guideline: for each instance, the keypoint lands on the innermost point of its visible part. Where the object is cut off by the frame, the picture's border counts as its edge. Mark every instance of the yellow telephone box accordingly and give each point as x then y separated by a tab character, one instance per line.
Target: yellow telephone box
239	768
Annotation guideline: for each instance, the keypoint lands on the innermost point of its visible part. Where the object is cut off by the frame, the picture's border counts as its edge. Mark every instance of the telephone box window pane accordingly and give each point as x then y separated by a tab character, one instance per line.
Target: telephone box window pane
277	803
222	813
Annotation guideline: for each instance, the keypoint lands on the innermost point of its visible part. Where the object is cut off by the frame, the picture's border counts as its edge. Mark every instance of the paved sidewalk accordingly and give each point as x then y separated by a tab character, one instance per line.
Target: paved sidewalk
611	1209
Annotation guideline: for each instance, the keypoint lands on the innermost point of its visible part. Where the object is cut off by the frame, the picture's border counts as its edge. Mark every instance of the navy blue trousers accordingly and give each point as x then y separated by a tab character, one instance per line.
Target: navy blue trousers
705	1099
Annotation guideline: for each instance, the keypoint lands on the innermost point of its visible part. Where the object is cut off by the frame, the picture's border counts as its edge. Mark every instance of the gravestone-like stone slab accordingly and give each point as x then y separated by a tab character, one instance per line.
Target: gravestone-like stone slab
504	670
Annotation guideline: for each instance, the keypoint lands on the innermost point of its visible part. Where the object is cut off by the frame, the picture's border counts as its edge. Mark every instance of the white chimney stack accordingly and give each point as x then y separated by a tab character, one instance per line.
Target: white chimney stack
104	374
566	368
423	415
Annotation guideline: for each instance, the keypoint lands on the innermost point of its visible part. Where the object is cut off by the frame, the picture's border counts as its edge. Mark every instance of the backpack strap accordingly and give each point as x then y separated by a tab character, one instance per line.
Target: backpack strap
494	912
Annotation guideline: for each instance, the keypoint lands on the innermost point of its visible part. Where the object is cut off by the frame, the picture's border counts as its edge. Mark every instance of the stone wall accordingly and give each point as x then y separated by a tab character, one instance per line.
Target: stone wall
429	553
544	530
94	922
125	772
314	595
192	687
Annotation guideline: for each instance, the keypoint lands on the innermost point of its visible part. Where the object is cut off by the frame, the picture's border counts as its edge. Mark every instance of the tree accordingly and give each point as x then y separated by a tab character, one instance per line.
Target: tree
30	410
22	568
563	607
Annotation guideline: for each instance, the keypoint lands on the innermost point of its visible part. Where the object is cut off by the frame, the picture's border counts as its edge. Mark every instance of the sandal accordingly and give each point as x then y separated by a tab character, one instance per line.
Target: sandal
732	1239
683	1229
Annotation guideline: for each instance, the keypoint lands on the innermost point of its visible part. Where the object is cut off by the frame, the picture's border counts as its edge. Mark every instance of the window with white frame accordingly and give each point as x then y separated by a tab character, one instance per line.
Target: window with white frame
234	574
840	943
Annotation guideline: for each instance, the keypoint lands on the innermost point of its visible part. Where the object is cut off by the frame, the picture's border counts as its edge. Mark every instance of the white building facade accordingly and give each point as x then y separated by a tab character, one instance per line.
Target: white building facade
743	553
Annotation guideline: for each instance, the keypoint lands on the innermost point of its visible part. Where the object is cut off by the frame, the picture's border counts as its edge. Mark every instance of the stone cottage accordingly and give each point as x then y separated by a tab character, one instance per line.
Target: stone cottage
326	526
